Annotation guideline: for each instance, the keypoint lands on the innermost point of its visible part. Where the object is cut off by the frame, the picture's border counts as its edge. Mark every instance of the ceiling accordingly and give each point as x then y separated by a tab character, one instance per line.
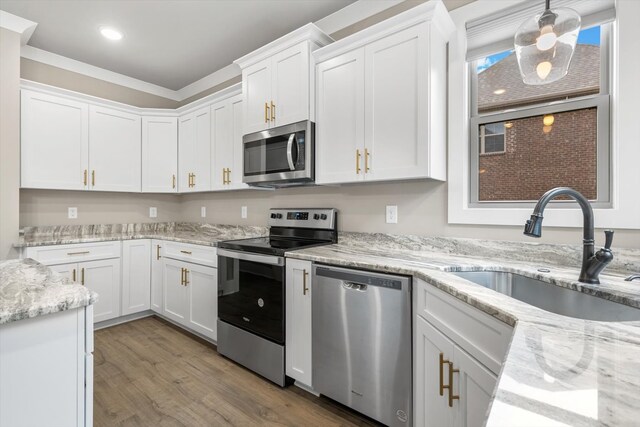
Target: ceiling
170	43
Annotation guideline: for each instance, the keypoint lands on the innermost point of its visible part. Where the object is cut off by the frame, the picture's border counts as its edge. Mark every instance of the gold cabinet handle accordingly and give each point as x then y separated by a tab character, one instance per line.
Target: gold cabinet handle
358	161
193	179
442	362
189	180
173	181
304	282
82	276
73	274
228	176
93	178
186	277
85	177
78	253
452	397
186	252
366	160
157	252
273	111
182	276
266	112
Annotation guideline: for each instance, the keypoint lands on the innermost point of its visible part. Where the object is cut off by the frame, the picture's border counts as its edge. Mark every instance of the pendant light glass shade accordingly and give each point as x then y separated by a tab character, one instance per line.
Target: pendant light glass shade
545	43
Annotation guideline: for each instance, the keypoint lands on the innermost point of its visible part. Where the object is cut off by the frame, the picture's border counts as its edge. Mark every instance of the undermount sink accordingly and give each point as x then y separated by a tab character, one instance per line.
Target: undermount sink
551	297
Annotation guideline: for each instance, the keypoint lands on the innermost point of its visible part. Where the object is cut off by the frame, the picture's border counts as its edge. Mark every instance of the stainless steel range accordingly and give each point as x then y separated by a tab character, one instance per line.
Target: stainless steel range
251	288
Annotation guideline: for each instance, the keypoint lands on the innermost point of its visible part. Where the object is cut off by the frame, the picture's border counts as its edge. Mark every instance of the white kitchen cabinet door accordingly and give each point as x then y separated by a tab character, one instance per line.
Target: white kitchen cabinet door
237	166
202	284
136	276
70	271
159	154
114	150
221	143
256	90
103	277
156	275
396	115
431	408
340	113
290	85
194	151
474	384
54	142
298	325
176	293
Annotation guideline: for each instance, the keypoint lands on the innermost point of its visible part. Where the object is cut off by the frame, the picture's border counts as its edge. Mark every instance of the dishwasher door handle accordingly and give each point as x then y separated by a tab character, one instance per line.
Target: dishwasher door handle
354	286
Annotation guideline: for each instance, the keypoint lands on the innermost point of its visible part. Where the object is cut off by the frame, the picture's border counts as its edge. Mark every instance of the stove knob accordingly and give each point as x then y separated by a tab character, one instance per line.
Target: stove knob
316	217
273	216
279	216
323	216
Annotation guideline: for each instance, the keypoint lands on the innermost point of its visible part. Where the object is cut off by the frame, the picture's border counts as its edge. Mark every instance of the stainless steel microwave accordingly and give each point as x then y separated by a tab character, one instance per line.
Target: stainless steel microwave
279	157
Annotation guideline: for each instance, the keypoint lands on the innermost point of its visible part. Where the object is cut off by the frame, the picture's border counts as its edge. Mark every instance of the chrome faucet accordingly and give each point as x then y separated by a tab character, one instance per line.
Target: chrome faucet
592	262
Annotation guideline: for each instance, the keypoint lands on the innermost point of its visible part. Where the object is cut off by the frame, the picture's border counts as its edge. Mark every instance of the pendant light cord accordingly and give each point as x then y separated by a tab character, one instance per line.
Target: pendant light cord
547	4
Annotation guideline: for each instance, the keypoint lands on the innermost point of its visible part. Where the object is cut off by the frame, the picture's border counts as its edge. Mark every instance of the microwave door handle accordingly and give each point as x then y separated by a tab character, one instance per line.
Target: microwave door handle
289	151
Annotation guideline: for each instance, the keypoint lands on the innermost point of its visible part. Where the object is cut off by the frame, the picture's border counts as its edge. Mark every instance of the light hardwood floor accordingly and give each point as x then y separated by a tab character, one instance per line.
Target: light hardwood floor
150	373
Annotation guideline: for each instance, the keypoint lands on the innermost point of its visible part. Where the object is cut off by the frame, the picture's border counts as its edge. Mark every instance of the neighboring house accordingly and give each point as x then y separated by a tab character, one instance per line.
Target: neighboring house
539	152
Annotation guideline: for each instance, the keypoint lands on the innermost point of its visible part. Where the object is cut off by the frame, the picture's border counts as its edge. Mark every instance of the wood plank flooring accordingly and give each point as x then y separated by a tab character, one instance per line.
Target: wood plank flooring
150	373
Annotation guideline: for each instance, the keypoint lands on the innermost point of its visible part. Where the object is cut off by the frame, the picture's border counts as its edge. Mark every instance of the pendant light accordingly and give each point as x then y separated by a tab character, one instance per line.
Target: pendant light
545	43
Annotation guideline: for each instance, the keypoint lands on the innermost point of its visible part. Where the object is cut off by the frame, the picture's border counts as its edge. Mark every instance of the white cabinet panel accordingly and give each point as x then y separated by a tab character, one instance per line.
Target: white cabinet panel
202	283
194	151
70	271
340	111
256	89
103	277
298	325
159	154
136	277
221	143
237	166
114	150
54	142
474	385
156	275
176	294
290	85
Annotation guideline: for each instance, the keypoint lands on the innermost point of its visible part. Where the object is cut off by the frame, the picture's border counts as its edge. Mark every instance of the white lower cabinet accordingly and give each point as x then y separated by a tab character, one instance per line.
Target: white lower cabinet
136	276
103	277
156	276
452	388
298	324
176	294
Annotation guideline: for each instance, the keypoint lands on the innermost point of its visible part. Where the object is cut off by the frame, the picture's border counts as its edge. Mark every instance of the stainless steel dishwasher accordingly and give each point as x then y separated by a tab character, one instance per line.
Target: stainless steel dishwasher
362	342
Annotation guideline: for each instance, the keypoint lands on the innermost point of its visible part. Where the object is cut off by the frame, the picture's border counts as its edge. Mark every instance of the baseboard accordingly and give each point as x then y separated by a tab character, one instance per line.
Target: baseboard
191	331
306	388
122	319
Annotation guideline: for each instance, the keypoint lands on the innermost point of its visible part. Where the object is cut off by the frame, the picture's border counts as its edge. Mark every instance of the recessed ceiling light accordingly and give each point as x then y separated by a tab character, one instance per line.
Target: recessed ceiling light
499	91
111	33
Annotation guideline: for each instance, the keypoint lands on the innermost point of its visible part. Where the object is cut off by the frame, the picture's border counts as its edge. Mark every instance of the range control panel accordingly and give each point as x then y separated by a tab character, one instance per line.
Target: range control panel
324	218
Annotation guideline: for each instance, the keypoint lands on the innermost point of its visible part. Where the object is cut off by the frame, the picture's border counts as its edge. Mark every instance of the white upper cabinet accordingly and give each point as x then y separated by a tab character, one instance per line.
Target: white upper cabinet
54	142
194	151
159	154
381	100
277	80
114	150
226	144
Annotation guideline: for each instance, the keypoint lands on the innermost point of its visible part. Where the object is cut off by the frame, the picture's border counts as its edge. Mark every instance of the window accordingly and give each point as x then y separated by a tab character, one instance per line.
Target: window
527	139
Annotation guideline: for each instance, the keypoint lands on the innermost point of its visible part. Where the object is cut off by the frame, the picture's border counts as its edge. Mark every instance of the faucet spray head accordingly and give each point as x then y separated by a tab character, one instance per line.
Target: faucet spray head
533	227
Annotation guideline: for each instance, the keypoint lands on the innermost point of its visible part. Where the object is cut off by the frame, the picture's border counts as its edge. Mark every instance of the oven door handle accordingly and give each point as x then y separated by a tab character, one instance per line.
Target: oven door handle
245	256
292	138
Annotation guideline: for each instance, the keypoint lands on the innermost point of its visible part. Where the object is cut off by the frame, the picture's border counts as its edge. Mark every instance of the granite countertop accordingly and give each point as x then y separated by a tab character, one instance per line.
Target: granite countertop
30	289
196	233
558	370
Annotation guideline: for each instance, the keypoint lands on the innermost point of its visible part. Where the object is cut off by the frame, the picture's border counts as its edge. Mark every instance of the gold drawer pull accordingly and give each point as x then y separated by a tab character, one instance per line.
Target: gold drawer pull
78	253
186	252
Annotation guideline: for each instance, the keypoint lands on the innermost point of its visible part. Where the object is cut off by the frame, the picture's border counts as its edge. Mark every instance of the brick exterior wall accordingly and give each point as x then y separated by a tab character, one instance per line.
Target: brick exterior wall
534	161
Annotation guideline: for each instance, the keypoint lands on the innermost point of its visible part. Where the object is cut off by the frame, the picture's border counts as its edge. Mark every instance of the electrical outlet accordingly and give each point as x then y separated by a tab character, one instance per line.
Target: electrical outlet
203	211
243	212
392	214
153	212
73	213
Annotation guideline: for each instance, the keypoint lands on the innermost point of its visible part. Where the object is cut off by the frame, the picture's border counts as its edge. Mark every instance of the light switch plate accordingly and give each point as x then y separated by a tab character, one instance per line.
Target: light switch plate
73	213
392	214
153	212
243	212
203	211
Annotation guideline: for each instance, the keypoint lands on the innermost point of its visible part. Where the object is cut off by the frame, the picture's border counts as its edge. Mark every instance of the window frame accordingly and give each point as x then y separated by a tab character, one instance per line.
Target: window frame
601	101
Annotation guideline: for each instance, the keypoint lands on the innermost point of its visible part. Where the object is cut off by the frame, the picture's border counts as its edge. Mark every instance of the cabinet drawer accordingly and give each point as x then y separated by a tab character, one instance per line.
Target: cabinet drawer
204	255
485	338
80	252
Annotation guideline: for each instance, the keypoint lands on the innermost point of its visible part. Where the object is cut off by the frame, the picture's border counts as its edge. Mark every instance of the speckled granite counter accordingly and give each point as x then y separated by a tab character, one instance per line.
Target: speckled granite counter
199	234
30	289
558	370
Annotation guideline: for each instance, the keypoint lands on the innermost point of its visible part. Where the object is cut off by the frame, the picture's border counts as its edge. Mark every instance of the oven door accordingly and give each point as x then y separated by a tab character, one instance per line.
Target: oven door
279	154
251	292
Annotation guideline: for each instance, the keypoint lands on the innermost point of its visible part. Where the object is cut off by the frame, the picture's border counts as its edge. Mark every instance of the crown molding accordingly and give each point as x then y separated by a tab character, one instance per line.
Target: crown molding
353	13
207	82
19	25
